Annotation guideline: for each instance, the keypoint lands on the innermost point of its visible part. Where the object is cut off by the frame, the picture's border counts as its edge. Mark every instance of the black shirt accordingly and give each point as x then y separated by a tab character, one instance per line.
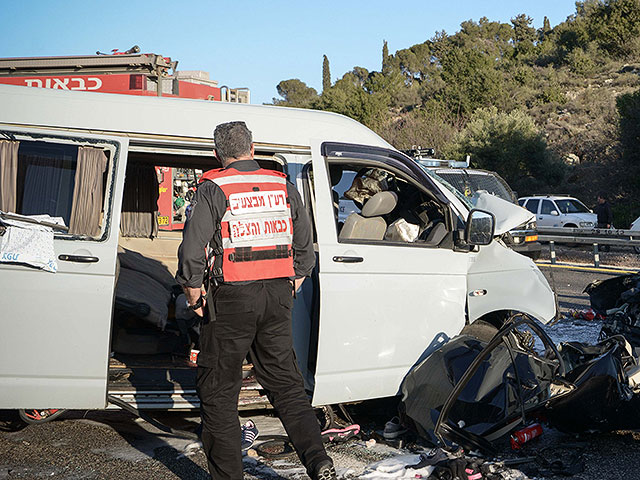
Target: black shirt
207	210
603	211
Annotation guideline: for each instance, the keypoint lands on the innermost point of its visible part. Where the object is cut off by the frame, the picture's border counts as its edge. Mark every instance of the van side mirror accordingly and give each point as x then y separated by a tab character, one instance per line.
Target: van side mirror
554	213
480	227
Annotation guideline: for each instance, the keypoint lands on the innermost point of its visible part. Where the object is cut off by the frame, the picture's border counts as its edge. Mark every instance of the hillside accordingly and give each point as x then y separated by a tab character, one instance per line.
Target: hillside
554	109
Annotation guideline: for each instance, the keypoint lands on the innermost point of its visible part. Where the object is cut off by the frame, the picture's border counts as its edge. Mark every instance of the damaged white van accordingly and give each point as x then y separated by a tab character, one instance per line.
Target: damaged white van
392	282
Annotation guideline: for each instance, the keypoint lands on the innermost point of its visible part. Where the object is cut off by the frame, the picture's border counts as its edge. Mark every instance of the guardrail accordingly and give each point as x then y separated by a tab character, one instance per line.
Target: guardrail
592	236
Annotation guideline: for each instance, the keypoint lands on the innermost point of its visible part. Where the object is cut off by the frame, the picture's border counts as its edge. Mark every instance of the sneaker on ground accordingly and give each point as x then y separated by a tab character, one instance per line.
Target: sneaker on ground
249	434
340	434
393	429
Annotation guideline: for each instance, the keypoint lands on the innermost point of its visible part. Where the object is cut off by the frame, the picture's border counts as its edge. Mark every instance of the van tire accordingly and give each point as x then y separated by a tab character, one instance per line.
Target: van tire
38	416
10	421
481	330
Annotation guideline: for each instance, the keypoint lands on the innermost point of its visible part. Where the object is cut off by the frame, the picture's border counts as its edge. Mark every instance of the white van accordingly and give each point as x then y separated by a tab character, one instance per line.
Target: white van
372	309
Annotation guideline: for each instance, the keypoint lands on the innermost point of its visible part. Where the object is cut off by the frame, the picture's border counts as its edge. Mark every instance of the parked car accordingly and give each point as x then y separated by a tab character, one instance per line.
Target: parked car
468	181
636	226
559	211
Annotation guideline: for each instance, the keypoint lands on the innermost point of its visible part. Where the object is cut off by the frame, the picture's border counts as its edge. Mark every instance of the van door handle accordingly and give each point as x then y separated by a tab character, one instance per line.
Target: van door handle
78	258
343	259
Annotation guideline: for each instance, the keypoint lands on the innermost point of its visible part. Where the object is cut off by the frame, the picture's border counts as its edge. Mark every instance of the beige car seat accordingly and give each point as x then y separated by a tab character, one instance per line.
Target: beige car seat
369	224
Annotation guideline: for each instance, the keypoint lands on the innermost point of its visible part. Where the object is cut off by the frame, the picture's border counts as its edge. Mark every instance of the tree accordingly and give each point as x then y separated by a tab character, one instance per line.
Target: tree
615	26
512	145
546	25
295	93
522	29
326	74
351	98
385	57
471	80
628	106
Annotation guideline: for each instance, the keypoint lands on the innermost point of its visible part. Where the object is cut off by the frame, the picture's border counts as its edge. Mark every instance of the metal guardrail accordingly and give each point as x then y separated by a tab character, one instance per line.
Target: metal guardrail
589	236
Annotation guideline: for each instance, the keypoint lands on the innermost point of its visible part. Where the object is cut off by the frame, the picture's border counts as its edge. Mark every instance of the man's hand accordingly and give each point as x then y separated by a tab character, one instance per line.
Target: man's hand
193	294
297	283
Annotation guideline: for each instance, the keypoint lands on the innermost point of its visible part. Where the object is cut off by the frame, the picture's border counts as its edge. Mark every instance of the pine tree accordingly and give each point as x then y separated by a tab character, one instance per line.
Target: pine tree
546	25
385	57
326	75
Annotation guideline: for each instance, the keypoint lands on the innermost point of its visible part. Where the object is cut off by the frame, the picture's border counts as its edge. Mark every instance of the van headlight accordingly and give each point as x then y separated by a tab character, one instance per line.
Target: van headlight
586	224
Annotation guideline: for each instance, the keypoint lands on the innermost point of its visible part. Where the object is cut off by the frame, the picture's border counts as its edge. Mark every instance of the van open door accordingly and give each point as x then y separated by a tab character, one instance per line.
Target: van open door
55	327
387	297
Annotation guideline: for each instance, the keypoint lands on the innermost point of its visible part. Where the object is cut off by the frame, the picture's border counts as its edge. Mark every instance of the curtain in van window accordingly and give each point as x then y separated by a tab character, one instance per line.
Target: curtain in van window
140	202
87	191
8	175
47	181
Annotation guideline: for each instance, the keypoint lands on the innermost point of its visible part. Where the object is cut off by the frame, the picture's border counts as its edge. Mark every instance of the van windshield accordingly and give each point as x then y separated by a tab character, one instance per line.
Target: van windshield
468	182
571	205
448	186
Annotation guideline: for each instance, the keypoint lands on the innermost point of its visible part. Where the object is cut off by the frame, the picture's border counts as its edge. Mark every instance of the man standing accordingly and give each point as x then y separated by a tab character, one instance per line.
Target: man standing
605	217
259	235
603	211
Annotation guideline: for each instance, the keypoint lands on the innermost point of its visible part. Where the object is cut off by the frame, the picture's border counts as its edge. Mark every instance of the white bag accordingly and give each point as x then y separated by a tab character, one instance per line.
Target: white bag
29	243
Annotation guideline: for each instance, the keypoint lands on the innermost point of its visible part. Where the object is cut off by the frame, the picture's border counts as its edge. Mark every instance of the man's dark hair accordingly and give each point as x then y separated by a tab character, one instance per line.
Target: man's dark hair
602	195
232	139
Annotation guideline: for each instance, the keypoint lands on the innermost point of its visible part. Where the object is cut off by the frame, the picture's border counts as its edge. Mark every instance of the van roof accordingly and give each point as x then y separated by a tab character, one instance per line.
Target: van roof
189	118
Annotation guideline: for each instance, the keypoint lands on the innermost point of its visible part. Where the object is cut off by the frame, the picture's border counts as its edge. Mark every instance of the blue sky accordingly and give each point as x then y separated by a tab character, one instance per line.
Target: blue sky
253	44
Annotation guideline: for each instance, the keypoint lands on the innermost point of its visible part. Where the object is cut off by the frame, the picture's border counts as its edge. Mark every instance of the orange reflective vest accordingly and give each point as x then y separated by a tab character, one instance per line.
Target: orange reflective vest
256	228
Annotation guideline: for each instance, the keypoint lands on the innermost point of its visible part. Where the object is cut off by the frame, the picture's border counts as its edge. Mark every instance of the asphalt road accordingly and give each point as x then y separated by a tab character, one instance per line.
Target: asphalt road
115	445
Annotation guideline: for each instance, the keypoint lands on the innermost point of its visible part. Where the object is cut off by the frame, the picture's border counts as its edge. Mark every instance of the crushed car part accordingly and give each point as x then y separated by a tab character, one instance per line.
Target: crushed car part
472	392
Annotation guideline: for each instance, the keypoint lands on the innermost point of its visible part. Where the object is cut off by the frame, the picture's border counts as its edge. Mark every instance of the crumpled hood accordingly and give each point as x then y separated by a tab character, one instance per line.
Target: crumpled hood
508	215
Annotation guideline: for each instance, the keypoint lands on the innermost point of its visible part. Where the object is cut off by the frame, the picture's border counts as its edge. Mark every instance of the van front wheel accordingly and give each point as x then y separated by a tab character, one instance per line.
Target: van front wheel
481	330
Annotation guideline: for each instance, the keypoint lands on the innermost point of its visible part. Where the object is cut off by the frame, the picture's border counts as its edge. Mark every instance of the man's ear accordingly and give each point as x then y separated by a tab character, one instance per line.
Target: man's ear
215	154
253	149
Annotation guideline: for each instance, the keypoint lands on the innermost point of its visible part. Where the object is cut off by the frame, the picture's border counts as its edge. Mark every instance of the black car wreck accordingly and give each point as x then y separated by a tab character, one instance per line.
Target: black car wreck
478	388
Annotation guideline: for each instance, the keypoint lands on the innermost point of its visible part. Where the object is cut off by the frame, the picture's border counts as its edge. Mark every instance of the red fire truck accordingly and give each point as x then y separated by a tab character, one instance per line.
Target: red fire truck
129	73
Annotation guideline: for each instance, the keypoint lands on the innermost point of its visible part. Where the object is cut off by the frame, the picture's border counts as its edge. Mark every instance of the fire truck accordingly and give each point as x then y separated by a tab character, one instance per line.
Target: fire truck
129	73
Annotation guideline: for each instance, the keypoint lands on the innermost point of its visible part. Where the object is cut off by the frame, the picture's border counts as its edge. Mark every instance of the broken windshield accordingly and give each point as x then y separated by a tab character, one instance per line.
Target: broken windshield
448	186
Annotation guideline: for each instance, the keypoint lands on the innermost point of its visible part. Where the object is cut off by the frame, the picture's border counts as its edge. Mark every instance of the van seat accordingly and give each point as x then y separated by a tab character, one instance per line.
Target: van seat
369	225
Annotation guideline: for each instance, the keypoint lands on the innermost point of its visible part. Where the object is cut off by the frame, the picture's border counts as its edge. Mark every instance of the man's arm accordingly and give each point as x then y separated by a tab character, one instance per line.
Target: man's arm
304	258
199	230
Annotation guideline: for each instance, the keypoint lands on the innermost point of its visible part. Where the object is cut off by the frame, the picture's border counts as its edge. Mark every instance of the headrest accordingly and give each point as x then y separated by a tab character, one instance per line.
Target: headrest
380	204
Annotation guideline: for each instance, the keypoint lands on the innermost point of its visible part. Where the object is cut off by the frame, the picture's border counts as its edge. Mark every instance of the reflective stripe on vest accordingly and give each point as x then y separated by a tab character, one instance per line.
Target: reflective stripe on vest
256	228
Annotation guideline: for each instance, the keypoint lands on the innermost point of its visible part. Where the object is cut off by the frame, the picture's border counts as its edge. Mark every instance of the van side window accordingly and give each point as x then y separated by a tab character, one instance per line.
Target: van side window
532	205
57	179
374	204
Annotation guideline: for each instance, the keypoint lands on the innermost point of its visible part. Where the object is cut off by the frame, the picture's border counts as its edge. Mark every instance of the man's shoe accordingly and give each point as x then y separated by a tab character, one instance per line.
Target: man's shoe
249	434
325	471
393	429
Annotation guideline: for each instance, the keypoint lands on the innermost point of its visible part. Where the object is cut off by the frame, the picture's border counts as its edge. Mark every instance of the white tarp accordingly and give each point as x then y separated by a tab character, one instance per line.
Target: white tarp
29	243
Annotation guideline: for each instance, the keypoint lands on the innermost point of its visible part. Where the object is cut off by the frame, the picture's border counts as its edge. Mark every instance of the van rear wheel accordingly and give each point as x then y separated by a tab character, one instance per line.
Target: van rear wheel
36	416
481	330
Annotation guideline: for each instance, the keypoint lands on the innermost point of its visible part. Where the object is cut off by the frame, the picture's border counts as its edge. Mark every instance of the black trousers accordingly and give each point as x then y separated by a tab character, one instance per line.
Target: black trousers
255	317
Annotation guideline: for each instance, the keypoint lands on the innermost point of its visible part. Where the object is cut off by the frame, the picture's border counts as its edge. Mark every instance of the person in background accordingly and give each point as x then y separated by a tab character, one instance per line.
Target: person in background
605	217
